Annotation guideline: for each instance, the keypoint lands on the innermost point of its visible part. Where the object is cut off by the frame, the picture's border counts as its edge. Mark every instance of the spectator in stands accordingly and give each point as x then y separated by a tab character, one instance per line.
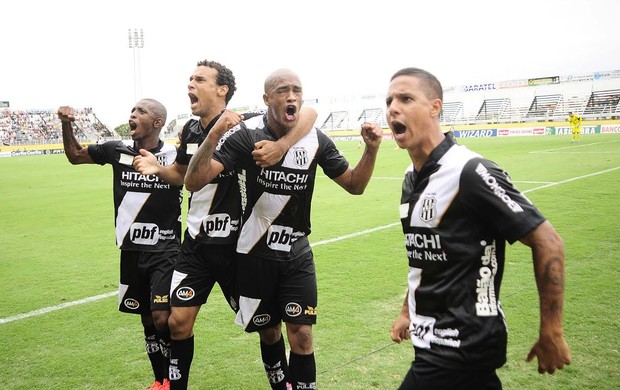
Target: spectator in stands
276	274
575	124
457	211
208	250
148	228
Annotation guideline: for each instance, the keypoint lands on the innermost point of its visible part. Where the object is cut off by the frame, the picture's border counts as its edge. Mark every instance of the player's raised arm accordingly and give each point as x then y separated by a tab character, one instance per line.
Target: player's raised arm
355	180
75	152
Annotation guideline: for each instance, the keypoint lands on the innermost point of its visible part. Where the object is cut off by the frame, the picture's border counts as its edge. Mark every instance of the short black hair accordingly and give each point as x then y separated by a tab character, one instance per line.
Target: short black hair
432	82
224	77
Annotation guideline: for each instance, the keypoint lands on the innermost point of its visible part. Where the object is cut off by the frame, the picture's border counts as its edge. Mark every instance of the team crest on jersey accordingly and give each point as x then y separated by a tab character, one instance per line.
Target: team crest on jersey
428	211
301	157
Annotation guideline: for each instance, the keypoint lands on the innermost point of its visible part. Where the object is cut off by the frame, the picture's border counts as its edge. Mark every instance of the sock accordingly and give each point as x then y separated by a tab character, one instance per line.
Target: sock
181	355
303	371
276	367
158	362
164	347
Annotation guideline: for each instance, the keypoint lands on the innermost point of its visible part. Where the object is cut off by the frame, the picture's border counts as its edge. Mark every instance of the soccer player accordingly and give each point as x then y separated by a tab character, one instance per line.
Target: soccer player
457	211
147	215
276	274
575	124
208	250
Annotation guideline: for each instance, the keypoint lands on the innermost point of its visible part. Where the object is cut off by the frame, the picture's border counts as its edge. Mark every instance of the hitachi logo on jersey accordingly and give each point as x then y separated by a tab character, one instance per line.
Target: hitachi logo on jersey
279	176
422	241
137	176
144	233
217	225
279	238
490	181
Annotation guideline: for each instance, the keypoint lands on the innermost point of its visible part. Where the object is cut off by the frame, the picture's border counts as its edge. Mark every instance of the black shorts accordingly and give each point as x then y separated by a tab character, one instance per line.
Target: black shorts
423	375
145	281
273	291
197	270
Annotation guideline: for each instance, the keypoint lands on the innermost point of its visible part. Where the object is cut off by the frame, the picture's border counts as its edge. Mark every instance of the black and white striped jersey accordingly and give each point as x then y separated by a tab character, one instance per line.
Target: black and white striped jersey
147	210
276	201
457	214
214	211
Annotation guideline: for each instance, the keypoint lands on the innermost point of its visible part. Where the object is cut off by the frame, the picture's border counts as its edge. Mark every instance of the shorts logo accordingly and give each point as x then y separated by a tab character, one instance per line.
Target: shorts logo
301	157
185	293
293	309
261	319
144	233
160	299
131	303
428	211
310	311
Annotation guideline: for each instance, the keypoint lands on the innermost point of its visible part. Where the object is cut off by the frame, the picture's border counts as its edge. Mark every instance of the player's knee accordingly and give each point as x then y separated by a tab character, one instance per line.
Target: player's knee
300	338
160	319
270	335
181	327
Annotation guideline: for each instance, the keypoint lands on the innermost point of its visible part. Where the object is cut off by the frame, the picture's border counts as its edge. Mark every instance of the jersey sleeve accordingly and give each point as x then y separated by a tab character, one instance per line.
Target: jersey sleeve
182	156
102	153
489	193
234	145
329	158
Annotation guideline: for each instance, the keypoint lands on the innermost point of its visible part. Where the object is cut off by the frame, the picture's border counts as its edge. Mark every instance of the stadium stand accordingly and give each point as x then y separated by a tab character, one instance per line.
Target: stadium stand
491	109
336	120
543	106
602	103
31	127
375	115
593	96
451	111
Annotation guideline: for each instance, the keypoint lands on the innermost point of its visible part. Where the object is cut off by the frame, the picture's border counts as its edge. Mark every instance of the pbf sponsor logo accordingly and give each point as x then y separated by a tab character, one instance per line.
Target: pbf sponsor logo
217	225
280	238
144	233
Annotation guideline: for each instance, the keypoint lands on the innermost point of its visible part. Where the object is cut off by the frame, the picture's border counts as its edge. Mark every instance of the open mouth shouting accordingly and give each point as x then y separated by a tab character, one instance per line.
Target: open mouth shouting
290	112
193	99
132	127
398	128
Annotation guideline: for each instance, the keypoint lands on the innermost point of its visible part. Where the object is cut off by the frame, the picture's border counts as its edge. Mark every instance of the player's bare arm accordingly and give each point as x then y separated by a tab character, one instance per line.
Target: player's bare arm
400	328
355	180
75	152
548	254
146	163
202	168
267	153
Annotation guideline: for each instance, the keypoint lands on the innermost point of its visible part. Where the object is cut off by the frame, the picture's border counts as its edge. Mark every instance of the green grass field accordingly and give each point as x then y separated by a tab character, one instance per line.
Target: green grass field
57	247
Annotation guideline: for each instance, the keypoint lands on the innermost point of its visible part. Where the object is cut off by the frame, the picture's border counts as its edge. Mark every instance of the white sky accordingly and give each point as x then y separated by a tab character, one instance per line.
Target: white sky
76	53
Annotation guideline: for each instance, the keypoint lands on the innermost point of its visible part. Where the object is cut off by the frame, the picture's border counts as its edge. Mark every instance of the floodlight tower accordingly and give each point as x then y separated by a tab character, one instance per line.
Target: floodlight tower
136	42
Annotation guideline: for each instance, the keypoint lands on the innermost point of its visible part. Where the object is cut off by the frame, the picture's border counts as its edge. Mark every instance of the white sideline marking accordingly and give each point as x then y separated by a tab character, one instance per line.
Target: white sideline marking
574	146
354	234
329	241
572	179
45	310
